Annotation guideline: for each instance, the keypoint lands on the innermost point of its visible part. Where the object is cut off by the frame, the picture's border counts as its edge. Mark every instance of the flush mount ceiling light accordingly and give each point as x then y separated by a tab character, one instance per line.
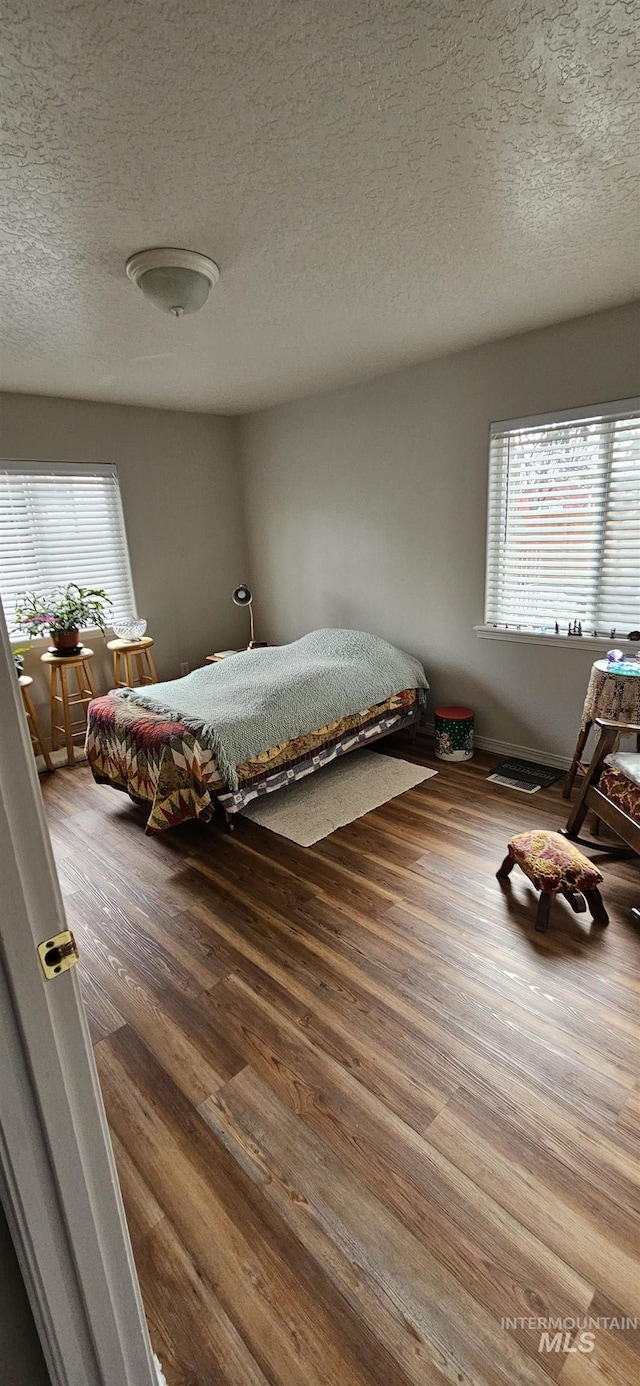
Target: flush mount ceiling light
177	281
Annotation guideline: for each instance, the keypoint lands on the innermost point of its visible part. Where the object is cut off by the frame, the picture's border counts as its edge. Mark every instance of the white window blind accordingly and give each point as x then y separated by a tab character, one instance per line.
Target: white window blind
62	522
563	537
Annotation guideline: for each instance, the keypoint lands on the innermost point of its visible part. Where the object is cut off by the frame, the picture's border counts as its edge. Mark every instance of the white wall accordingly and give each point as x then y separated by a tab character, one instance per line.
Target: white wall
182	504
367	507
364	507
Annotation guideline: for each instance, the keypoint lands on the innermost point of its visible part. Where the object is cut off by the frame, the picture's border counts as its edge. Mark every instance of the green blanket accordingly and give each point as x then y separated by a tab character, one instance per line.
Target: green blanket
254	700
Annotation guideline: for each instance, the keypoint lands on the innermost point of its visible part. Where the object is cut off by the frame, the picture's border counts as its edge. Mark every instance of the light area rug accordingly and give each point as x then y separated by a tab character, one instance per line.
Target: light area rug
310	809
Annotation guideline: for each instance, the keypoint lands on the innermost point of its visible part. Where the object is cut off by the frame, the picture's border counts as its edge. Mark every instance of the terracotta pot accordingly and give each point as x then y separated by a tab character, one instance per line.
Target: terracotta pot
65	639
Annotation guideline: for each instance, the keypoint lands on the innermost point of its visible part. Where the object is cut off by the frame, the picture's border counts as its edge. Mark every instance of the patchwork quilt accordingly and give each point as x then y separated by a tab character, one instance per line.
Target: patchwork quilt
164	766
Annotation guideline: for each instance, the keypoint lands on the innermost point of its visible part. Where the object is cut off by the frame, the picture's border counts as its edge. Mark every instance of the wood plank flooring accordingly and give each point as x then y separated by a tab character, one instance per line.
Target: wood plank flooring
361	1112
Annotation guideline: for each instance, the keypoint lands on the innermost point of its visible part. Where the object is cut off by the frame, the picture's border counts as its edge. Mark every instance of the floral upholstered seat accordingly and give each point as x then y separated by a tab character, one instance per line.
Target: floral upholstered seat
555	867
552	863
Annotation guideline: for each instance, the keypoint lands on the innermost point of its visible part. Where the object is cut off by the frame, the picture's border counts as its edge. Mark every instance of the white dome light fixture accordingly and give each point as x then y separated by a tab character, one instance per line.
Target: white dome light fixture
176	281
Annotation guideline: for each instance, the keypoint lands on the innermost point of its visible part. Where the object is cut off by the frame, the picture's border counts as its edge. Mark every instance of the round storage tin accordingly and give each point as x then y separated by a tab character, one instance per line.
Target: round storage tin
454	733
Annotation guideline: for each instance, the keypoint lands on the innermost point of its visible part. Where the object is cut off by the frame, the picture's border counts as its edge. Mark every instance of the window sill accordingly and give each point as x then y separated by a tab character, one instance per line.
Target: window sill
37	642
32	641
596	644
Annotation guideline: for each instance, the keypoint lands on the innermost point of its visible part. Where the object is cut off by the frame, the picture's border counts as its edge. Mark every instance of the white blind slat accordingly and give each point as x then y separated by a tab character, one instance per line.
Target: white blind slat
62	522
563	533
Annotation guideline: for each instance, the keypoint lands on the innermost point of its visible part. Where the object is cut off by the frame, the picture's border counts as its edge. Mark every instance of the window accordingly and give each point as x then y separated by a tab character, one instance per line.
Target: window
563	537
62	522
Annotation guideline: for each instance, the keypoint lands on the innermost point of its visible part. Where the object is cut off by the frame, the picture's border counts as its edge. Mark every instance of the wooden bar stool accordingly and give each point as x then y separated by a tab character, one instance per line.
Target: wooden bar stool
33	722
124	653
61	698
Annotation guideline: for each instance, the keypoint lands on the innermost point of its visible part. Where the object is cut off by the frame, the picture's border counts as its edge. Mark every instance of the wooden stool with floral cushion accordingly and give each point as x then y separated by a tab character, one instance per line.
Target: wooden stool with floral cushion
556	867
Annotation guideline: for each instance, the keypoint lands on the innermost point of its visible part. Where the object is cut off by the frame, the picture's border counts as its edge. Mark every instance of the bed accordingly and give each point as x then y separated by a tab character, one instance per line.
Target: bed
168	764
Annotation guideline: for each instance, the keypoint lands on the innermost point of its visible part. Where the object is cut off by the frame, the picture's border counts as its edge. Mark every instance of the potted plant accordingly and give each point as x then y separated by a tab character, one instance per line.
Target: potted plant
18	659
63	613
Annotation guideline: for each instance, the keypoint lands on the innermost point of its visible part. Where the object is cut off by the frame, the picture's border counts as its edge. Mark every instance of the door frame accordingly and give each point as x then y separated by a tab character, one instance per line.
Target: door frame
58	1178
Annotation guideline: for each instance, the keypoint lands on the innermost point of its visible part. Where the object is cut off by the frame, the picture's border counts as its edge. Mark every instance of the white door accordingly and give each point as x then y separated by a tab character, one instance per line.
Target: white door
58	1180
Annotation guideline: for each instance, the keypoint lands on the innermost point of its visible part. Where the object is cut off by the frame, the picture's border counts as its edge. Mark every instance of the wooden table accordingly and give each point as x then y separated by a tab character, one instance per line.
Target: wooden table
59	667
33	722
222	654
610	694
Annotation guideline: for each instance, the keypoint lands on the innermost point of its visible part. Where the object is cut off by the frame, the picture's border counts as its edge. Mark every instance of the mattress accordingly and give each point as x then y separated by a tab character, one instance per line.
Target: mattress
163	766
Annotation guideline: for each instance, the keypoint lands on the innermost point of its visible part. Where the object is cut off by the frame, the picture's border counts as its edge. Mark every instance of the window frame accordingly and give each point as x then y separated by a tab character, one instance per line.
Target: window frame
494	630
63	468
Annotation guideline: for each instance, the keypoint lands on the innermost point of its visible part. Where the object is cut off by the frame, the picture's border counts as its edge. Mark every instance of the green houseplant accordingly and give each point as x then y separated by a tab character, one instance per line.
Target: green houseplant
64	612
18	658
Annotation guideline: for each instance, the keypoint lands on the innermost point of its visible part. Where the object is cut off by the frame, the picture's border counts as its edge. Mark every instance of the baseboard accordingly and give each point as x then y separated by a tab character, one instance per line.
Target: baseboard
59	758
510	748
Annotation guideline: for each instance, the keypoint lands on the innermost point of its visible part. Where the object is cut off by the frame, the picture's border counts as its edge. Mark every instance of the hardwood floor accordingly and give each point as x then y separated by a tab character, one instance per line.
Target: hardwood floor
361	1112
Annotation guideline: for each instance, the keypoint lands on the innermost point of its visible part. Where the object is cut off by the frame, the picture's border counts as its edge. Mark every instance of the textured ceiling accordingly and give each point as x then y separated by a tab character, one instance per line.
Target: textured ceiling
379	180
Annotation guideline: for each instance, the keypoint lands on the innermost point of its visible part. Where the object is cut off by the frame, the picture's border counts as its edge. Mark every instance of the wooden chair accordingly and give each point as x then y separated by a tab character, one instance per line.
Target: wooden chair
593	800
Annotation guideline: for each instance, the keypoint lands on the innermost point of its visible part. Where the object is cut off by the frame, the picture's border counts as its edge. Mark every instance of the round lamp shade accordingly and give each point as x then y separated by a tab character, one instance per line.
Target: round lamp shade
175	290
242	595
175	281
